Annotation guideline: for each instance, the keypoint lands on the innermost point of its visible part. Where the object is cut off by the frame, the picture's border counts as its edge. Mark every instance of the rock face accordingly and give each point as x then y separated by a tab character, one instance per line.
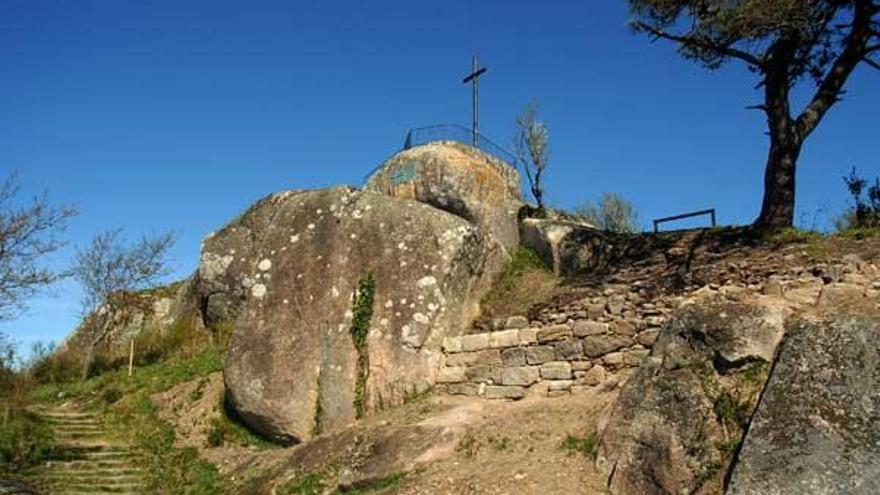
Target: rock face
678	421
816	428
459	179
285	275
545	236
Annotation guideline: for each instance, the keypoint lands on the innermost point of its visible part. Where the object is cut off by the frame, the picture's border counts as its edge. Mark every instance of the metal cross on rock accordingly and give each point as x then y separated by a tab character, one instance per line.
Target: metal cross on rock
473	78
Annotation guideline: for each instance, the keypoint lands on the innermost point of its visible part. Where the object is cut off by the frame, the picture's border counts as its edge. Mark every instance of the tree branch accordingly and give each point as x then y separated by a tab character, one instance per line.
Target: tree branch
872	63
705	44
831	86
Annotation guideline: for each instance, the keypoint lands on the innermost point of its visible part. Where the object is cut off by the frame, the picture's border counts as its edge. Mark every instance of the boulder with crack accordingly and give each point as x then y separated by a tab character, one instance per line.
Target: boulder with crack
678	422
816	428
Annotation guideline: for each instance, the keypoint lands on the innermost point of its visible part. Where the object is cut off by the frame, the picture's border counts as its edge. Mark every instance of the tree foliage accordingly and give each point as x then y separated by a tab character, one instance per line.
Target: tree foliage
531	141
785	42
29	232
864	212
612	213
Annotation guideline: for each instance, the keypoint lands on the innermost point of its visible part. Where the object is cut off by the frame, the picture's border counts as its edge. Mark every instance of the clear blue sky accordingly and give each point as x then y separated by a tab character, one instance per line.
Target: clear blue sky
178	114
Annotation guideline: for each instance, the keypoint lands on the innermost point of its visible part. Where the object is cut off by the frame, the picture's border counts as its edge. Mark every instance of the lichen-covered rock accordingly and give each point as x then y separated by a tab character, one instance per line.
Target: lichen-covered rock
287	272
816	428
678	421
459	179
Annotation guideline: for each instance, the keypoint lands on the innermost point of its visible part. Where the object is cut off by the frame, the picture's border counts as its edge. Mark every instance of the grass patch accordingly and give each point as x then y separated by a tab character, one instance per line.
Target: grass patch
26	440
525	281
587	446
304	484
861	233
379	486
153	378
167	469
307	483
226	429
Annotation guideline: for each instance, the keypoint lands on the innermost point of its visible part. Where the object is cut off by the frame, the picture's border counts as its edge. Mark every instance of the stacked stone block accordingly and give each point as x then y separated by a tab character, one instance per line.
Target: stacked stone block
565	357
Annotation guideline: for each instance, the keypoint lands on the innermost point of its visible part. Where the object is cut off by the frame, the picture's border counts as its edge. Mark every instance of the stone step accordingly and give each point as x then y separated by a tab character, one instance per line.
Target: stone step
111	479
91	469
95	488
116	464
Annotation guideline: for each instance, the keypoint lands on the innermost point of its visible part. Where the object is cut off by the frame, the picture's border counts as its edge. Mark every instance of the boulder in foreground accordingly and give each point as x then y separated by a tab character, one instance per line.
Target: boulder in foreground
315	345
816	428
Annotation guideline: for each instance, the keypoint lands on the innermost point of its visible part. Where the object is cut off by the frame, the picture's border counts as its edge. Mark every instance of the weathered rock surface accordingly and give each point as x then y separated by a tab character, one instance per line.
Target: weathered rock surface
459	179
286	272
816	428
677	422
545	237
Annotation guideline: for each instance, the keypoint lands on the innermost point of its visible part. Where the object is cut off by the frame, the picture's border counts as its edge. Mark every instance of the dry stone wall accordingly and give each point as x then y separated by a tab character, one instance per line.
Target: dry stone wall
566	353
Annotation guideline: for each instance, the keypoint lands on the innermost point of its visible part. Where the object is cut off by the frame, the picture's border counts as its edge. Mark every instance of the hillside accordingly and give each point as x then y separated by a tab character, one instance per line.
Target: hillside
420	337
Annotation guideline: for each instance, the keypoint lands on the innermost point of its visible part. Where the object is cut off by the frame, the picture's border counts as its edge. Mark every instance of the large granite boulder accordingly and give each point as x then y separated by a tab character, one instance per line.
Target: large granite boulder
678	422
817	428
296	276
459	179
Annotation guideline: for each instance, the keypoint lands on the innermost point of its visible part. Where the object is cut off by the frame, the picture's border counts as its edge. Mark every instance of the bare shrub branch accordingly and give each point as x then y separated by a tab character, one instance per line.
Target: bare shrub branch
28	233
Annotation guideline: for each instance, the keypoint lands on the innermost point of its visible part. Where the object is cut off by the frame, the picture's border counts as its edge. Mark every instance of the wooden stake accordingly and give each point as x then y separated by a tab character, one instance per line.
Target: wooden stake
131	357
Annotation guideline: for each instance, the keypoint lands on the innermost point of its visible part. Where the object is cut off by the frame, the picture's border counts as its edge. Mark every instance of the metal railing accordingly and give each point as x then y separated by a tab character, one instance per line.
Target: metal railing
710	212
452	132
461	134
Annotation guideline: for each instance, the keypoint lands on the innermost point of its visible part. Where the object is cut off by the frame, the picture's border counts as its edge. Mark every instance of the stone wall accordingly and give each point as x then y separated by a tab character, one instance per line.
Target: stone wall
562	352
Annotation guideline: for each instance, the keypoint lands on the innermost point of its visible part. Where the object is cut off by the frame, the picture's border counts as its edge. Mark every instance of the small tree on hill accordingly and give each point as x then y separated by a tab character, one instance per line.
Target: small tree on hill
108	268
28	234
612	213
864	214
784	42
531	141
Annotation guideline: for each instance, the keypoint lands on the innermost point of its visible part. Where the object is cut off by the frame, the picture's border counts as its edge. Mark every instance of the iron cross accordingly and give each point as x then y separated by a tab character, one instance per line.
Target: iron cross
473	78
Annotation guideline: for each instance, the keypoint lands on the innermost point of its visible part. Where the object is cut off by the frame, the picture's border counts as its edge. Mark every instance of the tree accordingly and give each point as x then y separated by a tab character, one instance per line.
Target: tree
863	214
107	269
531	142
612	213
785	42
28	234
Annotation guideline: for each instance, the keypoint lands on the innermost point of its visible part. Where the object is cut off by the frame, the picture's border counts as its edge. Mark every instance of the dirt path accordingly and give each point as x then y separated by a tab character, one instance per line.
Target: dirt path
90	460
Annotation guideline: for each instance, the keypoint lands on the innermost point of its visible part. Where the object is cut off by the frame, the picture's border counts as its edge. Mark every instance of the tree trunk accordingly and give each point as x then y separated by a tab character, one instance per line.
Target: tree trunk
777	210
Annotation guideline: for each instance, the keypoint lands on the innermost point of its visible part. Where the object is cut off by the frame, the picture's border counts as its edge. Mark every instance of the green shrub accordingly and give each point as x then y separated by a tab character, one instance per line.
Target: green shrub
362	311
586	446
111	395
25	440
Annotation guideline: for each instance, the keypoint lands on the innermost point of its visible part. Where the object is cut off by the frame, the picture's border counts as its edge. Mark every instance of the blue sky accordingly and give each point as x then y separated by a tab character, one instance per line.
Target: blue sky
178	114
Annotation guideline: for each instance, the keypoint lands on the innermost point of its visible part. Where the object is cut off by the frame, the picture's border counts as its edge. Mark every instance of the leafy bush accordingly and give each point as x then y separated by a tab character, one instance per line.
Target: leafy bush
612	213
864	213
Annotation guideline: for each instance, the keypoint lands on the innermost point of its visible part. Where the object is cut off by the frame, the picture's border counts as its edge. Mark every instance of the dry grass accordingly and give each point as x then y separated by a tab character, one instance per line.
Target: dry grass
526	282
